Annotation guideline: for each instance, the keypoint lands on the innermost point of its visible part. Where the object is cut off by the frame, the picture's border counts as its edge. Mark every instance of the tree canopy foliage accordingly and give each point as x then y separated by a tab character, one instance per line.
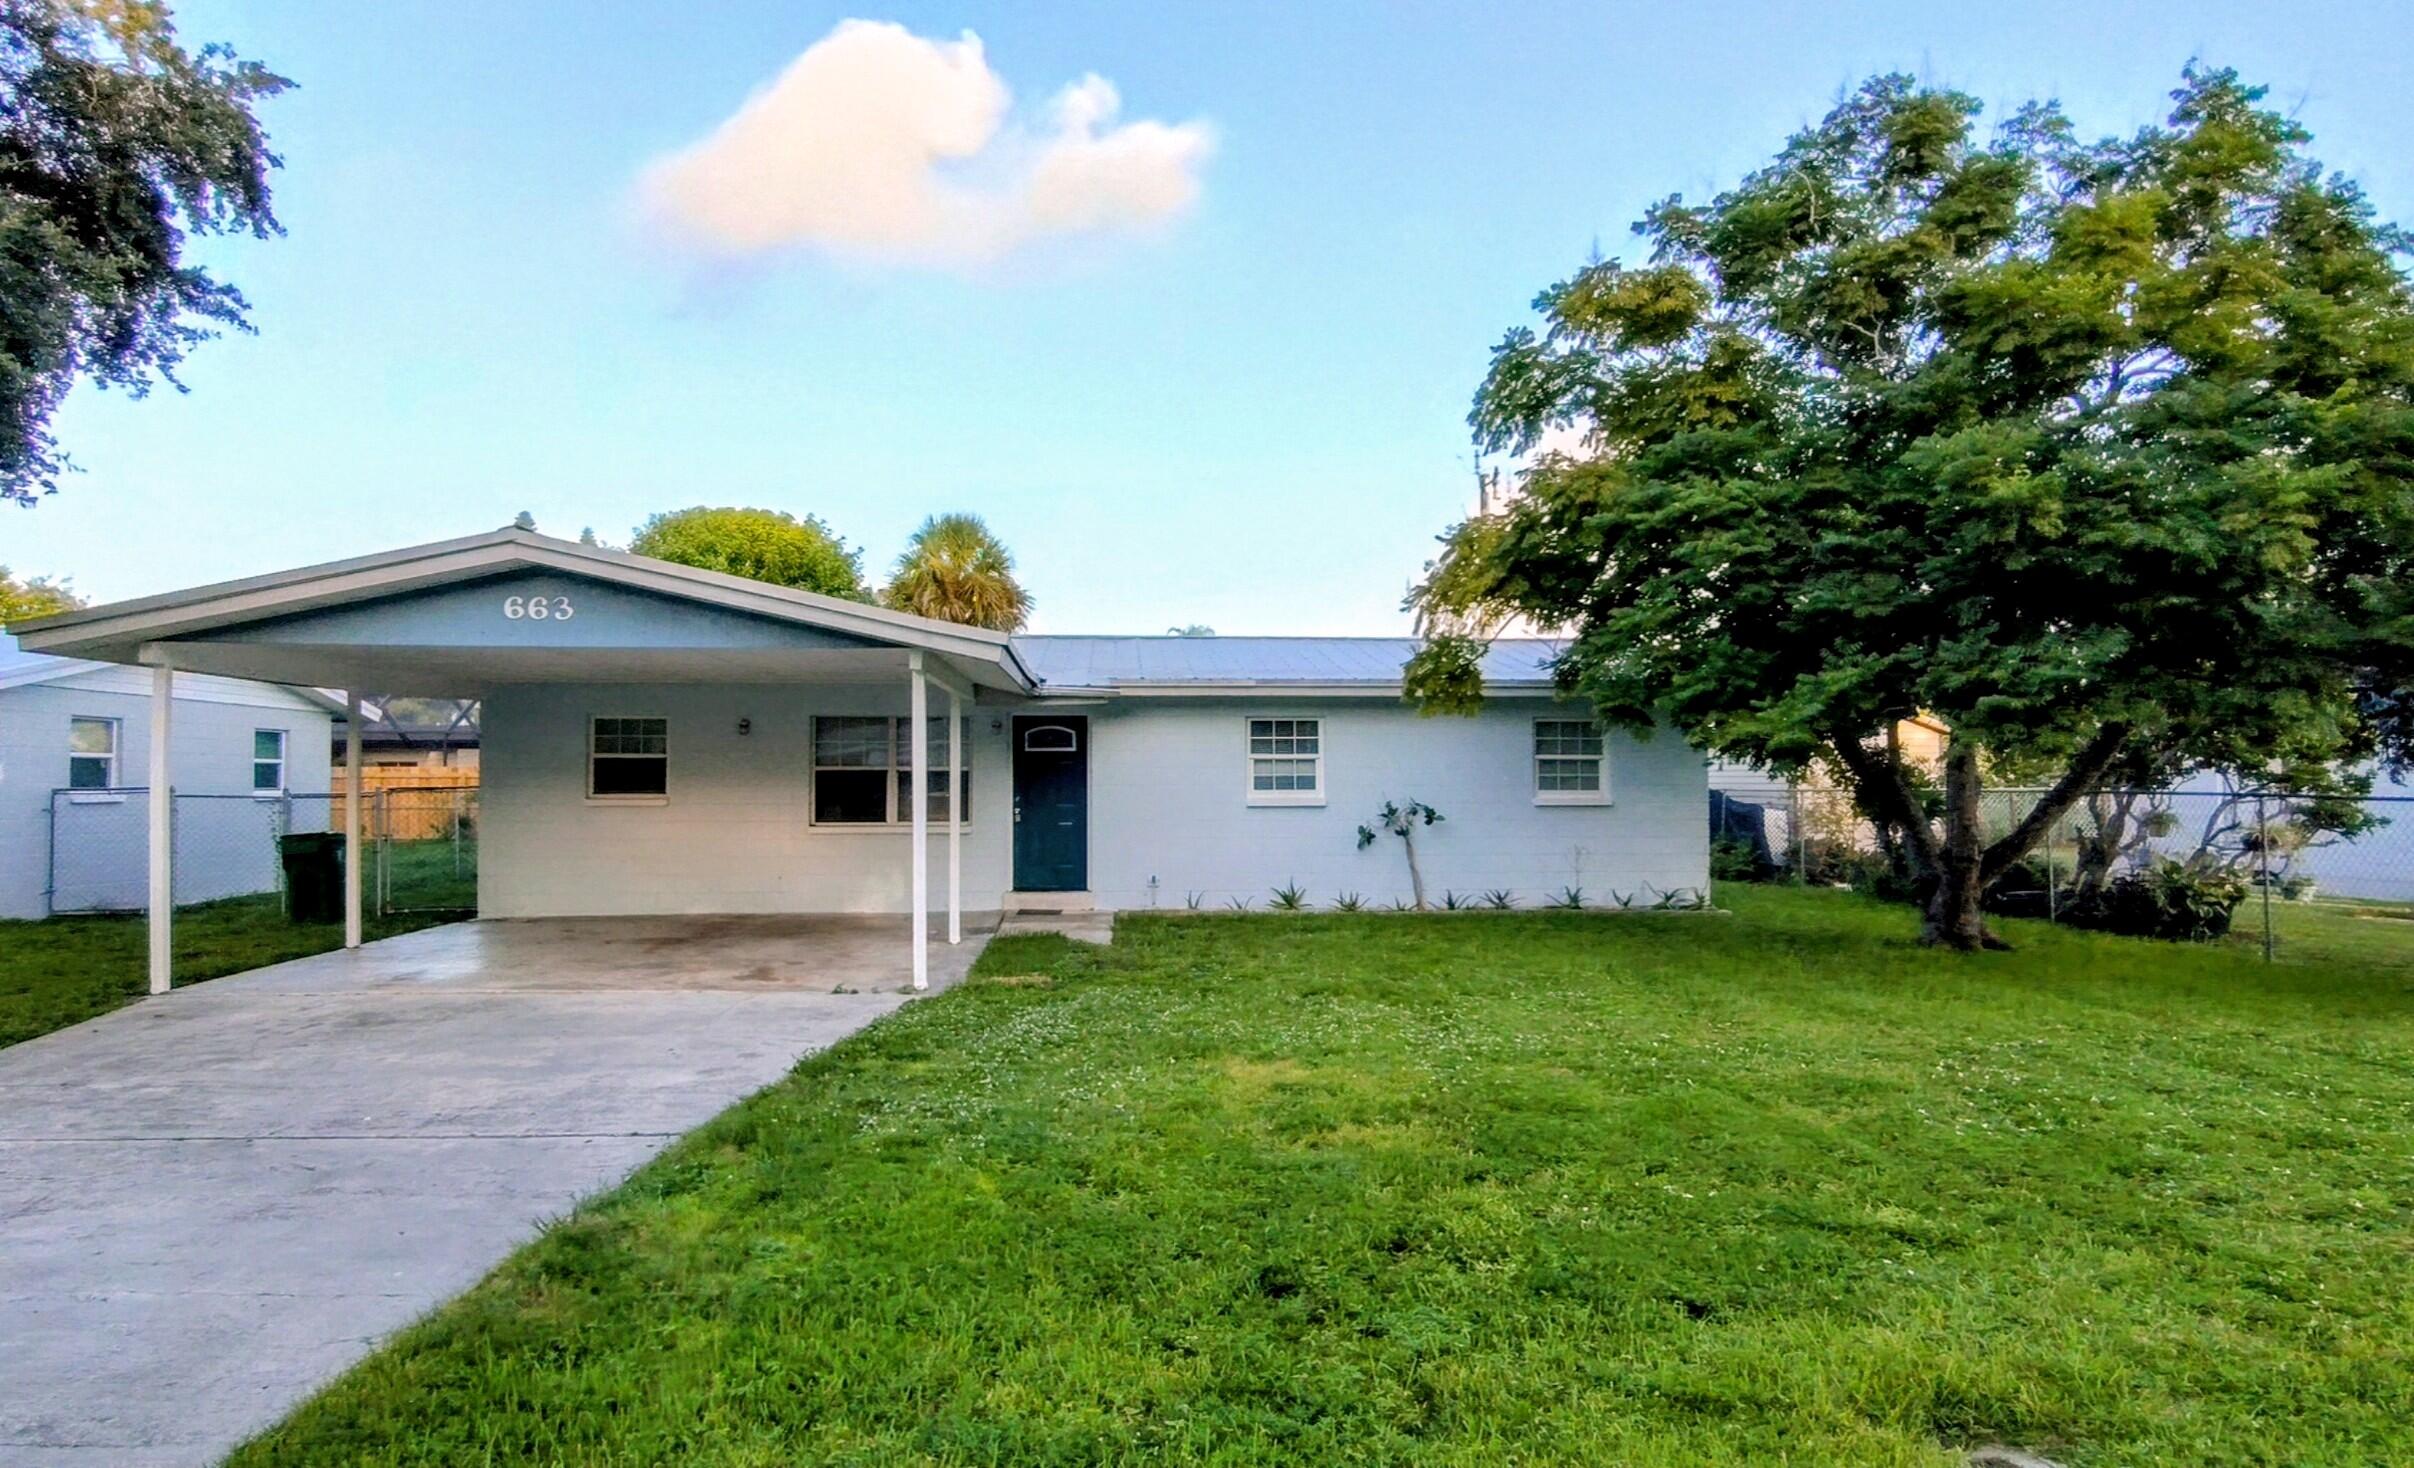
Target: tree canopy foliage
36	596
956	570
116	145
763	545
2101	451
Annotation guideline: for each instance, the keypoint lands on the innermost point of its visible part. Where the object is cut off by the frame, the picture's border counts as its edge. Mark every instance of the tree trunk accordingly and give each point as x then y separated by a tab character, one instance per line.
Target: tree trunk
1416	879
1954	919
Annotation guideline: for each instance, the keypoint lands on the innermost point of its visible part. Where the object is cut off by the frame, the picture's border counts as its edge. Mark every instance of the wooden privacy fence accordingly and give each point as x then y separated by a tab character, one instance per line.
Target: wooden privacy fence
410	802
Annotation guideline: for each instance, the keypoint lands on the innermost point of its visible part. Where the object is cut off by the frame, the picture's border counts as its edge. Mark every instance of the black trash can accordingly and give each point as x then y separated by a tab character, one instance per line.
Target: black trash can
314	876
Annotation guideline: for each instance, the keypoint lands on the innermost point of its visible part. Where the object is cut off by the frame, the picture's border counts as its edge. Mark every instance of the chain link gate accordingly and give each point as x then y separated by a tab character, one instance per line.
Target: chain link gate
421	848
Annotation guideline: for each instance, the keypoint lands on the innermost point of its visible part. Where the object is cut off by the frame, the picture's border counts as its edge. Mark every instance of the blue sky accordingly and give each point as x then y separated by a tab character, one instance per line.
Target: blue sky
1251	416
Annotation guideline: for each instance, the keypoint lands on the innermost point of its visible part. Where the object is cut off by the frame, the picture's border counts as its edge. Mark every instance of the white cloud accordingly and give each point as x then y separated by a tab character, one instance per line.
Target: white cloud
876	144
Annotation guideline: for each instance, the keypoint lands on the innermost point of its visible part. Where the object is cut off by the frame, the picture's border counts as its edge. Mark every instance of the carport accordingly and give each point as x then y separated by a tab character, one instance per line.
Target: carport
514	610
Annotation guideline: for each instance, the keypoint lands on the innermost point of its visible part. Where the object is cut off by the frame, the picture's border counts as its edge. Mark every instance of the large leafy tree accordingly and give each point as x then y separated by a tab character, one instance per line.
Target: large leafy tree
762	545
957	570
2099	450
116	145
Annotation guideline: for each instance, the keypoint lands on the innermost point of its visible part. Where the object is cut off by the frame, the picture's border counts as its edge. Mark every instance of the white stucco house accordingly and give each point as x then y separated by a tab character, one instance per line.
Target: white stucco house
74	755
663	740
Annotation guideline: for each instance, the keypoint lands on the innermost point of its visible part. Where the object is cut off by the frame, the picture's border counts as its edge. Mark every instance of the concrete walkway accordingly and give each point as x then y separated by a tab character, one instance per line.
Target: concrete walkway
213	1201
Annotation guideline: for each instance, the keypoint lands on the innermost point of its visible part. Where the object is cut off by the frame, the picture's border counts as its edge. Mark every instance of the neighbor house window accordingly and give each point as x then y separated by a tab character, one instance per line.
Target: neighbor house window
267	761
1286	762
1568	763
91	754
629	759
863	771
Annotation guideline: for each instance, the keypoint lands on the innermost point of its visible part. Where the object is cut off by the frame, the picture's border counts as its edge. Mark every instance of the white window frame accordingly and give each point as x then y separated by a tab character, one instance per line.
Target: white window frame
1535	757
1250	758
900	812
638	799
117	749
284	743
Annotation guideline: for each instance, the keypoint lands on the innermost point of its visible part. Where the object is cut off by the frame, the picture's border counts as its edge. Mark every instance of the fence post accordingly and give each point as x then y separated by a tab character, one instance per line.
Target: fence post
2053	898
385	852
2263	868
1801	861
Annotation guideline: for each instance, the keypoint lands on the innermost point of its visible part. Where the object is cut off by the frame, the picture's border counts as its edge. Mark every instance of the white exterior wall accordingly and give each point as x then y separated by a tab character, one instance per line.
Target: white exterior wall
736	833
1169	800
104	854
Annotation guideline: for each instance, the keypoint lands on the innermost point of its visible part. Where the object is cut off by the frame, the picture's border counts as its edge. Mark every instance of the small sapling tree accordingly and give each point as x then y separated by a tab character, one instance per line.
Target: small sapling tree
1402	821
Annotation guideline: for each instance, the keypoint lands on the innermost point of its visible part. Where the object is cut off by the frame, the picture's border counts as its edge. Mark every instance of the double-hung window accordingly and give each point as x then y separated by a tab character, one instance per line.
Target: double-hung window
91	754
628	759
268	761
863	771
1286	762
1569	765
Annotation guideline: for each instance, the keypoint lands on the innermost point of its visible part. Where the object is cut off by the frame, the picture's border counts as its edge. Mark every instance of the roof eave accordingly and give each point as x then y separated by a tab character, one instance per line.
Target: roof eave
120	625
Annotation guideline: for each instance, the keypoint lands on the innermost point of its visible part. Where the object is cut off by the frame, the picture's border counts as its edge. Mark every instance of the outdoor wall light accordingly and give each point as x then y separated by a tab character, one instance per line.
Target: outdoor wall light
745	727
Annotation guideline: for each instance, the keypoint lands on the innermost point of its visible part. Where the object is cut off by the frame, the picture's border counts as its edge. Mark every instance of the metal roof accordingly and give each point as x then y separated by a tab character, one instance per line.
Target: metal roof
1122	662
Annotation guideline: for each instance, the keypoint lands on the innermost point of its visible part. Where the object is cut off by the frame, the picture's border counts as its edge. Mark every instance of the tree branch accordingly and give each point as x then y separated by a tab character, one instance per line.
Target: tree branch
2093	759
1884	793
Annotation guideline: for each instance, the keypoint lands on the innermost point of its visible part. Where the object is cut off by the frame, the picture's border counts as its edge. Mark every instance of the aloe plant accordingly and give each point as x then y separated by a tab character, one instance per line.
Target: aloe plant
1349	902
1570	898
1500	899
1290	898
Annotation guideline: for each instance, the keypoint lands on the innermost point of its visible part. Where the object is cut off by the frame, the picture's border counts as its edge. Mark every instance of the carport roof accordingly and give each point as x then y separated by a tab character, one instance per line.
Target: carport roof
200	627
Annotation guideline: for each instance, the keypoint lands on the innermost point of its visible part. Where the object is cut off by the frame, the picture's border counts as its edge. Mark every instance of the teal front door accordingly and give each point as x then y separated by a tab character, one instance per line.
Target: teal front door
1051	804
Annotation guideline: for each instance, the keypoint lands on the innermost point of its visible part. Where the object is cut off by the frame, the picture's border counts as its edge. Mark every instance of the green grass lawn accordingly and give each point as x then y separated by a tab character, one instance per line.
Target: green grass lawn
2376	934
1778	1187
65	970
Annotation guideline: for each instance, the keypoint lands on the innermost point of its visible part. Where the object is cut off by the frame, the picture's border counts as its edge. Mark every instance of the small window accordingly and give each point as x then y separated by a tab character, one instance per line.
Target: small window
863	771
91	754
1051	739
268	761
629	759
1569	766
1286	762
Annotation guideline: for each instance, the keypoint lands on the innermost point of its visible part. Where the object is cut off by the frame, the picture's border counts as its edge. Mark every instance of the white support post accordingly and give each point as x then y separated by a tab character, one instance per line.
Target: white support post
955	817
918	751
351	820
162	898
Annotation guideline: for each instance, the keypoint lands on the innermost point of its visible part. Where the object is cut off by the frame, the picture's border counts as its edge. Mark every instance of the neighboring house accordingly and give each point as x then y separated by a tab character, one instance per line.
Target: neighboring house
1748	799
660	739
75	749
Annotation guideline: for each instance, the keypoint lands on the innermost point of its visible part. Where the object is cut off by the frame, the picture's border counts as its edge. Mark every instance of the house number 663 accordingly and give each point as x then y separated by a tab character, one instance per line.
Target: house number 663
537	608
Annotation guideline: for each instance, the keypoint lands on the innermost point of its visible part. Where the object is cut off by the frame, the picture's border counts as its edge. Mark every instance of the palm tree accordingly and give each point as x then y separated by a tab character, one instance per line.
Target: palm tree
954	569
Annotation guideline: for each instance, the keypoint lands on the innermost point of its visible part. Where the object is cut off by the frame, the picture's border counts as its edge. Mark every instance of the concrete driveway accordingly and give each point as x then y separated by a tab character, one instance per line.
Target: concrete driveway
214	1201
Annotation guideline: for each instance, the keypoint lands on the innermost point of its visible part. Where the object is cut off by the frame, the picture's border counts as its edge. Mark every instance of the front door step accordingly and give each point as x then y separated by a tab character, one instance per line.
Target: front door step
1050	902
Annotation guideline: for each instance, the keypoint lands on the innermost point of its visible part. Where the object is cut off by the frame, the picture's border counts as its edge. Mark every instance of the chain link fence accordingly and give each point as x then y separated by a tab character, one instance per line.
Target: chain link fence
2296	873
422	848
